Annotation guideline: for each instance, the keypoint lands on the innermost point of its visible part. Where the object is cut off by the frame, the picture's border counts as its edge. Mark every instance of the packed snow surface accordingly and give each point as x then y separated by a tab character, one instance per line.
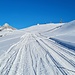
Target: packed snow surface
38	50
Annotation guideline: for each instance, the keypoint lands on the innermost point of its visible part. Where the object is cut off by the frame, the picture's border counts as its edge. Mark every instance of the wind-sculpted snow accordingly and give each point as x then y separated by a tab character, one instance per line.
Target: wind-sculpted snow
37	55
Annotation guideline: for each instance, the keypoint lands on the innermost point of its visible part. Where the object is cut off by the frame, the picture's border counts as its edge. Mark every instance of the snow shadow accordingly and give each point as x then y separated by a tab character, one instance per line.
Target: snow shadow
63	43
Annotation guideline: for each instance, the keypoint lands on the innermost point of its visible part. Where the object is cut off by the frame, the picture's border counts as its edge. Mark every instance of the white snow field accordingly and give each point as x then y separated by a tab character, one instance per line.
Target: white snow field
46	49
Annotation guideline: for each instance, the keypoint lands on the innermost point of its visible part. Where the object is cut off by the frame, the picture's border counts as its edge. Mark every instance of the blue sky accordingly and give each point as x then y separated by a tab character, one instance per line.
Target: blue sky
25	13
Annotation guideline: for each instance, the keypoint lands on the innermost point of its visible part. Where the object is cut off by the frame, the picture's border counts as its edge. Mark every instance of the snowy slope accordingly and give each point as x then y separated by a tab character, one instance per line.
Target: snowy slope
41	28
36	51
65	32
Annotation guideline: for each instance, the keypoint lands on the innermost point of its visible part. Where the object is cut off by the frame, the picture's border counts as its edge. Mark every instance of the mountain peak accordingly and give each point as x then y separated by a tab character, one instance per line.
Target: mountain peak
6	25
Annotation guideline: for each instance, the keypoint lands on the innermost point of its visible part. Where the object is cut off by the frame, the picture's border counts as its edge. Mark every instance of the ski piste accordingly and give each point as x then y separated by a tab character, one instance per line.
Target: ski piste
36	50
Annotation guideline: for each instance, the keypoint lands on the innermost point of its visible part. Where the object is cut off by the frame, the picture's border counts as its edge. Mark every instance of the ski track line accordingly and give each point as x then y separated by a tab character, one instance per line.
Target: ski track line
70	63
54	61
36	55
63	56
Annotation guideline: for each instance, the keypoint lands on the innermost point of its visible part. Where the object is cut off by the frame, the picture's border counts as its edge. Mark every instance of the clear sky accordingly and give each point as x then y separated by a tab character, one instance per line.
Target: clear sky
24	13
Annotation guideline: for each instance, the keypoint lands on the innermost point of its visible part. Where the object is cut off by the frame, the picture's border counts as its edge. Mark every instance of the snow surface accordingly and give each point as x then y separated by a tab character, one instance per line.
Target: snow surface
38	50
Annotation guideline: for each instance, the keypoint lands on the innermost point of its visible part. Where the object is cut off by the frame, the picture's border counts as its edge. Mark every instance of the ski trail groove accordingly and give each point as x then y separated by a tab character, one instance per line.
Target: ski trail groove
37	55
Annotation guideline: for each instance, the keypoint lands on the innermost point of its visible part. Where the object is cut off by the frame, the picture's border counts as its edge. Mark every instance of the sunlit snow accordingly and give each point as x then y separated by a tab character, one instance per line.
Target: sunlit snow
46	49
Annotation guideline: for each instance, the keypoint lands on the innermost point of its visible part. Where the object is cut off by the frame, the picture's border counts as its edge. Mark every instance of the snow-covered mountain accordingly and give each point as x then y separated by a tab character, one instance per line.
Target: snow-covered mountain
6	26
6	29
46	49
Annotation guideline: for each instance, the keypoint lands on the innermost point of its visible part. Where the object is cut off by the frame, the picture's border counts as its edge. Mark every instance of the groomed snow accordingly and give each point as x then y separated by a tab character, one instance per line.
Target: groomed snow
36	51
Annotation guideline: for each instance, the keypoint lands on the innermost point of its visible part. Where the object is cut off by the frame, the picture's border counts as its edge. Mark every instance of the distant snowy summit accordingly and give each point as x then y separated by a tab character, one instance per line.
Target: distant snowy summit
6	26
